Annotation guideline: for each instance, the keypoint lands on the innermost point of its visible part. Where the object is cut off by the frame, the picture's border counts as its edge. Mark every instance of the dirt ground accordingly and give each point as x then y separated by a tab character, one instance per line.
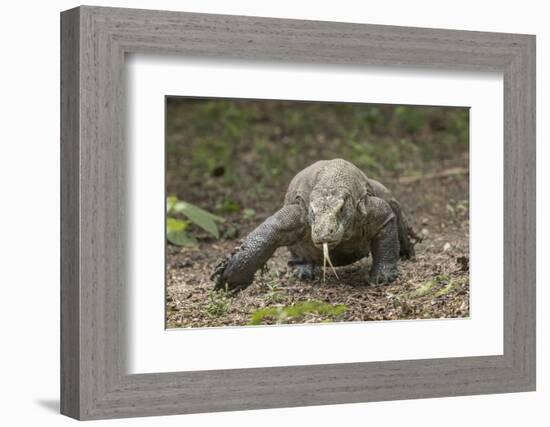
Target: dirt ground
434	285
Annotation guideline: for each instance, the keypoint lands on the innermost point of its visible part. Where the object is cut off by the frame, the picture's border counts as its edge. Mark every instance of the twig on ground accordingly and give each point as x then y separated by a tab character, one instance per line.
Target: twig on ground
442	174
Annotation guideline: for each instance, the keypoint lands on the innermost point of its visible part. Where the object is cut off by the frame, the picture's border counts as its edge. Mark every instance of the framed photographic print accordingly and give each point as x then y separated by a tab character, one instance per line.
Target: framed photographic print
261	213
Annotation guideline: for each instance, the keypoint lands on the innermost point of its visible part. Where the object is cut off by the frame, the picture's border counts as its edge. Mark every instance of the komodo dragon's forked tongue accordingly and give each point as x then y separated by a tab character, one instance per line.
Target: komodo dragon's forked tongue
326	258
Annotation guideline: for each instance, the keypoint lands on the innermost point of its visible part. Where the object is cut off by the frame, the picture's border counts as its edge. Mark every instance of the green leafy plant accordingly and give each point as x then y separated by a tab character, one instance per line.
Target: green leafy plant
180	215
271	282
176	232
439	285
296	312
219	303
274	294
271	285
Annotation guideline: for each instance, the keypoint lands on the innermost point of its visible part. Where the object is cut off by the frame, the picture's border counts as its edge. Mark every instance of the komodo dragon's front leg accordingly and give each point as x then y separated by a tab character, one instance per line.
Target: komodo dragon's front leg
284	228
385	253
381	222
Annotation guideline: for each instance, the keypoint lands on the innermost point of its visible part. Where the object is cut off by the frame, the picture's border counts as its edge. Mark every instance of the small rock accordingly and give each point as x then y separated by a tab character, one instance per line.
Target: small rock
446	247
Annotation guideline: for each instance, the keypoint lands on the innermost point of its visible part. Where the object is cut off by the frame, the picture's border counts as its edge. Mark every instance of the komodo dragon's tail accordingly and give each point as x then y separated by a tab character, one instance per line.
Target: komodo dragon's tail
407	236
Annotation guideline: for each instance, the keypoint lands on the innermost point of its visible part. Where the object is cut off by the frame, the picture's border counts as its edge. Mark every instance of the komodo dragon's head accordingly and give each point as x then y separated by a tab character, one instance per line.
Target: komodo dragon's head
330	216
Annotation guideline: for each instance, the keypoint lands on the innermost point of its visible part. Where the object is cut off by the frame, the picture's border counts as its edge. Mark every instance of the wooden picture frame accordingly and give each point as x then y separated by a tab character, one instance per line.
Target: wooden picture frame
94	382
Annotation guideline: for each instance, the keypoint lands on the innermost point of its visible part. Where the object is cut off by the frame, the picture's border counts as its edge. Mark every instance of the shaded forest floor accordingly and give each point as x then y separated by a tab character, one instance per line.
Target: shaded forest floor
434	285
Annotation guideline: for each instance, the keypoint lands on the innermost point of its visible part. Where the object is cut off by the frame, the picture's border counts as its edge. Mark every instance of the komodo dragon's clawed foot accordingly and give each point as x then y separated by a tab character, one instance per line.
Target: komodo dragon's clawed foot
307	272
383	274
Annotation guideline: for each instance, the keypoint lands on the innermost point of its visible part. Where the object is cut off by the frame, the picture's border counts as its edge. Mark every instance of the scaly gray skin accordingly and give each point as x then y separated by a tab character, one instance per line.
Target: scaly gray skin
331	202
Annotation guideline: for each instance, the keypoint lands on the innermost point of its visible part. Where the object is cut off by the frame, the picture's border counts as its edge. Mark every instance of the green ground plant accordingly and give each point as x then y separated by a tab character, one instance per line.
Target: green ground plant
219	303
439	285
271	285
296	312
180	215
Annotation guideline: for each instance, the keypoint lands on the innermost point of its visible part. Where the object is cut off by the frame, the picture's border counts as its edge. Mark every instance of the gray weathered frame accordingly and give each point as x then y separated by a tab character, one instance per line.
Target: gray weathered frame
94	41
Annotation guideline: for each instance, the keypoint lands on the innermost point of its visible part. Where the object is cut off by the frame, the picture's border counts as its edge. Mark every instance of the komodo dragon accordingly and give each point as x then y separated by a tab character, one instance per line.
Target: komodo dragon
330	205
